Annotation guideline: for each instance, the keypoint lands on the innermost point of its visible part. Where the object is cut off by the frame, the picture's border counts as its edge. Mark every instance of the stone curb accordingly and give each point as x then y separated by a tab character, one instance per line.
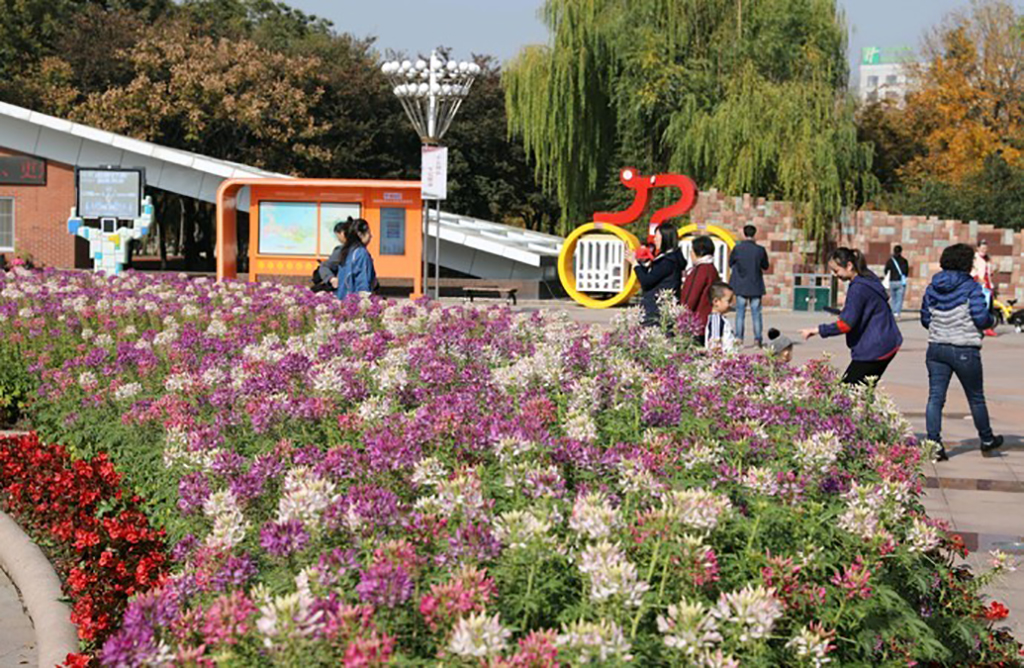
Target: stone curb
41	593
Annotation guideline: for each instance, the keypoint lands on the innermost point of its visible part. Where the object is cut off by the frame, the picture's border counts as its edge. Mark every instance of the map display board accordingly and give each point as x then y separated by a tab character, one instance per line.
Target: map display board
109	193
332	213
392	231
287	228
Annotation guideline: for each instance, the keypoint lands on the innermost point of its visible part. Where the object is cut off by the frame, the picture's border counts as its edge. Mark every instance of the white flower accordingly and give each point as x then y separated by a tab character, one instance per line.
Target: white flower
689	627
374	408
518	528
612	575
216	328
754	610
1002	561
229	526
87	381
696	508
593	516
819	452
813	643
479	636
922	537
595	641
428	471
761	480
306	495
580	426
127	391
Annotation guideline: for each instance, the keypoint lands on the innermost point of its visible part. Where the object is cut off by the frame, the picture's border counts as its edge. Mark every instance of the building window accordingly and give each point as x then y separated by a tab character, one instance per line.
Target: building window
6	224
890	80
872	81
392	231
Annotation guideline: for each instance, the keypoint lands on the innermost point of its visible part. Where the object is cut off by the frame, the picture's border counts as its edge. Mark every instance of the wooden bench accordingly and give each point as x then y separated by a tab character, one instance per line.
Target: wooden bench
508	294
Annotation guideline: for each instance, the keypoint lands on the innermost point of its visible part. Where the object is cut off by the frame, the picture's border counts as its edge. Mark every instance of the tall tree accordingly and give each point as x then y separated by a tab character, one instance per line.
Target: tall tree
746	97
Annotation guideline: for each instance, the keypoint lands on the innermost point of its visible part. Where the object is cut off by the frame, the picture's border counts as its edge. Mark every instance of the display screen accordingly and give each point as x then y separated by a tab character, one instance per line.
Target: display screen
392	231
332	213
109	193
287	228
17	170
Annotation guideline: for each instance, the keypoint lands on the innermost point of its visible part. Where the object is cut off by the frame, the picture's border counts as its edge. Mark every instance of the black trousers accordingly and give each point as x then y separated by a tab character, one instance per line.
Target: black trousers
859	372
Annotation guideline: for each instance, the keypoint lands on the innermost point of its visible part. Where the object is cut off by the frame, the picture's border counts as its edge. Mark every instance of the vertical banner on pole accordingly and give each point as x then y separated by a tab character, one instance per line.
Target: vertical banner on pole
434	186
434	179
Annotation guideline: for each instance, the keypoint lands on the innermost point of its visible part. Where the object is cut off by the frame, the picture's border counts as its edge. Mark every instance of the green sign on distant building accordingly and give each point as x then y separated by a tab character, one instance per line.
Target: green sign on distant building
872	55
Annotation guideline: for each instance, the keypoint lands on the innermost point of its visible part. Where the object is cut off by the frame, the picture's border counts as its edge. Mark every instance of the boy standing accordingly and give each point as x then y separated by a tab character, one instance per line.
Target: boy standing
955	311
718	332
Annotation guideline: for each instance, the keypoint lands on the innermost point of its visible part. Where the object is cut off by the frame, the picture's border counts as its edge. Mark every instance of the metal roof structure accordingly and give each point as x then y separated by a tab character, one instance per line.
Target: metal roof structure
472	246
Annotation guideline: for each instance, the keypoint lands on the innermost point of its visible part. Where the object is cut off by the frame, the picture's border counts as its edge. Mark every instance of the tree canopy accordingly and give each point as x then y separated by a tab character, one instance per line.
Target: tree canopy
743	95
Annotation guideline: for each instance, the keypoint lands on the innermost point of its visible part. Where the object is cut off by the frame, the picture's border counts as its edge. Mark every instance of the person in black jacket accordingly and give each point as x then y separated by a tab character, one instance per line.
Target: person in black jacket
661	275
897	269
747	264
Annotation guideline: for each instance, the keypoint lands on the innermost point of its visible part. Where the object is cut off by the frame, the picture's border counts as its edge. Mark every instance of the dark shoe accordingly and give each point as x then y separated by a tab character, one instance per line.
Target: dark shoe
994	444
941	455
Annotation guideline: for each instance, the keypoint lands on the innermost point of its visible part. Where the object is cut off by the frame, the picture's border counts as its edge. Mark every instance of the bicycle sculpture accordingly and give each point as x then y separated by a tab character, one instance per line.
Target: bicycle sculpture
593	257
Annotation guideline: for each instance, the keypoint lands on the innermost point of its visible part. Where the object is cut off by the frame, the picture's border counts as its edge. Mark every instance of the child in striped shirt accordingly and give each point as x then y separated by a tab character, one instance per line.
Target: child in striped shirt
718	332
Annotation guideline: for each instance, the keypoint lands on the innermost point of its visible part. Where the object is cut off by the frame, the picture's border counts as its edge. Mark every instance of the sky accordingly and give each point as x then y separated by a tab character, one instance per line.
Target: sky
502	27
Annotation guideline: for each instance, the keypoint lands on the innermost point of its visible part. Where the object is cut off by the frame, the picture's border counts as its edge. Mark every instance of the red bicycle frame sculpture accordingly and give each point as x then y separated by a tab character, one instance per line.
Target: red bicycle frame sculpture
642	186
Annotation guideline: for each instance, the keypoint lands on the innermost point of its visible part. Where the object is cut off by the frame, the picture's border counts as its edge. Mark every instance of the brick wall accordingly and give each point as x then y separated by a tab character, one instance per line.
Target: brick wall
874	232
41	214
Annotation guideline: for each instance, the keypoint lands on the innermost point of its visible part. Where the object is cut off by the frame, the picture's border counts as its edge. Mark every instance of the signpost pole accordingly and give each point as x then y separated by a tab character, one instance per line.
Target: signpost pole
425	243
437	251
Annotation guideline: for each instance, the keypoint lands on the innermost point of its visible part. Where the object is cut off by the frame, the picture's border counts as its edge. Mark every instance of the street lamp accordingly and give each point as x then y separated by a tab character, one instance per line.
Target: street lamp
431	94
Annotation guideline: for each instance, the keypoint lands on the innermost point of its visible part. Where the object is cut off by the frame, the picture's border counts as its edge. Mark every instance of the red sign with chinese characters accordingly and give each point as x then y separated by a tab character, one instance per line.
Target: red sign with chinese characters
22	171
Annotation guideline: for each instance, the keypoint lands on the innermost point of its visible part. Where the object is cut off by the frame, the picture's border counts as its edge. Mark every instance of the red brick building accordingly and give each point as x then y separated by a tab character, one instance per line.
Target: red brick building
33	218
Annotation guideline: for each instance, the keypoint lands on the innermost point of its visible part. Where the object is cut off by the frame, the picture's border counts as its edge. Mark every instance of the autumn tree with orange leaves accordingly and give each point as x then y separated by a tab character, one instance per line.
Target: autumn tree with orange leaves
955	147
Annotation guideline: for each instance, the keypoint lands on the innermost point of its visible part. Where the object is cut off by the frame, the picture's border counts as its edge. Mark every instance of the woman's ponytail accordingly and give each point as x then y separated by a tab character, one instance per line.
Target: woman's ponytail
844	256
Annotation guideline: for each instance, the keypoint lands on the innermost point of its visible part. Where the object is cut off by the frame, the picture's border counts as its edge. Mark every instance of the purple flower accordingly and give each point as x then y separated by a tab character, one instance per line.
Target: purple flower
236	572
283	538
193	490
385	584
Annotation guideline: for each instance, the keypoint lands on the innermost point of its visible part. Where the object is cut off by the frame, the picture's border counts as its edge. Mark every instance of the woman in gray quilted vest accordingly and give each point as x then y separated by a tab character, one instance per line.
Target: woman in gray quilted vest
955	312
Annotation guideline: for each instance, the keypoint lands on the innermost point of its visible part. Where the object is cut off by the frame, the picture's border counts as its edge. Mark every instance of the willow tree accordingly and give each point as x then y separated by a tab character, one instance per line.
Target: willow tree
742	95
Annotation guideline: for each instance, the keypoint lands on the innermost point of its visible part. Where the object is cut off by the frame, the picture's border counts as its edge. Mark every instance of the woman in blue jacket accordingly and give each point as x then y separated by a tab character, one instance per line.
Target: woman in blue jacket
866	319
355	271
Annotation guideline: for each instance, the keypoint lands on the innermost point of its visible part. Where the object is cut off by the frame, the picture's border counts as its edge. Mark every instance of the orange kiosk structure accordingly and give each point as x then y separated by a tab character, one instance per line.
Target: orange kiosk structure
291	225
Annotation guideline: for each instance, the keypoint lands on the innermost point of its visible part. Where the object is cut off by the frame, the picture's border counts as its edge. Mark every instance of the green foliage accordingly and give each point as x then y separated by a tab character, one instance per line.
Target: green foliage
16	383
746	97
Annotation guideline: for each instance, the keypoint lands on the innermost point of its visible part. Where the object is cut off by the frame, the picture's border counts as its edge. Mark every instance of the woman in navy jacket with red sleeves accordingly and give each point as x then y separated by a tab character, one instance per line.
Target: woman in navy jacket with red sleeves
866	319
661	275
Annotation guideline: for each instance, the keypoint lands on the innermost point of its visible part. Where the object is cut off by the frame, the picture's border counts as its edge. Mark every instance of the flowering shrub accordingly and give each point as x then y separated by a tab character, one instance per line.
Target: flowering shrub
100	543
364	483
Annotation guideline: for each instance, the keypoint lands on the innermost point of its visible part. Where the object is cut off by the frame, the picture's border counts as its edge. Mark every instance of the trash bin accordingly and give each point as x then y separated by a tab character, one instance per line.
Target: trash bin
813	292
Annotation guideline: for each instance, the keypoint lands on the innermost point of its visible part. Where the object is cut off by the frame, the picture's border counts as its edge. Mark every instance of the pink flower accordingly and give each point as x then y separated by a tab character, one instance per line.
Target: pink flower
854	579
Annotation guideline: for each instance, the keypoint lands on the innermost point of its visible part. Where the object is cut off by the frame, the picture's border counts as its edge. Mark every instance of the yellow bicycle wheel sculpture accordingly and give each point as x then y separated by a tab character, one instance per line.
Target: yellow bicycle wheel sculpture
567	273
566	269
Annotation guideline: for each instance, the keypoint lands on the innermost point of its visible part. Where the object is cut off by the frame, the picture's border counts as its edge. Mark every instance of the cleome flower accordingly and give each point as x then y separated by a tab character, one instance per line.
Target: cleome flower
597	642
306	496
696	508
922	537
813	643
751	612
612	575
593	516
689	627
479	636
819	452
517	529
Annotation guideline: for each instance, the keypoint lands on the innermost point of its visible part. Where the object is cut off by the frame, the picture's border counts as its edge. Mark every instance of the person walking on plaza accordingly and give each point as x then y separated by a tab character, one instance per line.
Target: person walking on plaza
747	264
866	319
981	271
896	270
328	269
696	289
955	312
662	274
355	272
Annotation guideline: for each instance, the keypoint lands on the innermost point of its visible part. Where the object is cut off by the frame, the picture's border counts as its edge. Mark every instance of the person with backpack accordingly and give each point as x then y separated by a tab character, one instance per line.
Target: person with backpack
897	269
955	312
356	273
660	275
696	290
866	319
748	262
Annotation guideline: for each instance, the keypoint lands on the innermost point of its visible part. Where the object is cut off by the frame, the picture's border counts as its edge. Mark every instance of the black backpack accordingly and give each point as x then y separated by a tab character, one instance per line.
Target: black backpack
318	284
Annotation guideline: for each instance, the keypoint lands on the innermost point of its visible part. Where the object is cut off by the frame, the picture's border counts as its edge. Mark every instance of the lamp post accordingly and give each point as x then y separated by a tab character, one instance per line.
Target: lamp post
431	94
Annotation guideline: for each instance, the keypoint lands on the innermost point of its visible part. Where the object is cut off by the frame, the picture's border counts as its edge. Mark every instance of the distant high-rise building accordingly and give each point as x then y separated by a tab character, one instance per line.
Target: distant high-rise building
883	74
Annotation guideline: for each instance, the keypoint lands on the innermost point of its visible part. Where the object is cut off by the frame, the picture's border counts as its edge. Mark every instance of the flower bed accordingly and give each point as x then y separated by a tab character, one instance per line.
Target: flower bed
368	483
97	539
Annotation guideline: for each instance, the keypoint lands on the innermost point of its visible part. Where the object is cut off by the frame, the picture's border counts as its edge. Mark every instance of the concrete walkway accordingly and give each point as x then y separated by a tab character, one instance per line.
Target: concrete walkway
17	638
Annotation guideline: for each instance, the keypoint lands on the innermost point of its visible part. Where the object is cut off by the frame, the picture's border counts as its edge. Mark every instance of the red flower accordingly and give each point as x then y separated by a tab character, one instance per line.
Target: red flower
996	611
